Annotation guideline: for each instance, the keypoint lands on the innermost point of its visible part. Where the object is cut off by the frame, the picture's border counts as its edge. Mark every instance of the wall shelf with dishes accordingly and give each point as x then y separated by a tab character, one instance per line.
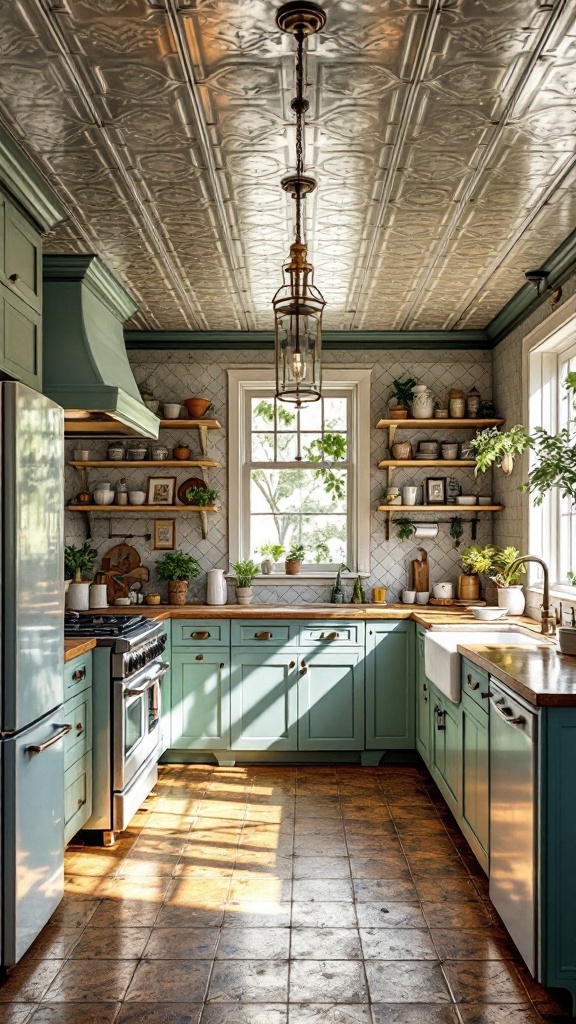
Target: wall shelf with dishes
119	510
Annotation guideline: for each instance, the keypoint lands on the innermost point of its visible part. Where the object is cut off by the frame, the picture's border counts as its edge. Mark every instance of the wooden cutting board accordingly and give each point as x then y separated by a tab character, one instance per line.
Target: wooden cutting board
123	567
421	572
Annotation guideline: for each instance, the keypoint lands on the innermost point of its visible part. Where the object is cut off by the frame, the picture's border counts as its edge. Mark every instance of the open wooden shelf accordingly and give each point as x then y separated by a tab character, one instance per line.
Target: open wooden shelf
123	509
418	463
134	463
440	424
190	424
455	509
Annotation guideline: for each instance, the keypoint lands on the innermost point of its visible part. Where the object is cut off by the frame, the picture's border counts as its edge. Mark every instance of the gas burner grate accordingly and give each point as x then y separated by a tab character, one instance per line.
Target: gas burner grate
102	625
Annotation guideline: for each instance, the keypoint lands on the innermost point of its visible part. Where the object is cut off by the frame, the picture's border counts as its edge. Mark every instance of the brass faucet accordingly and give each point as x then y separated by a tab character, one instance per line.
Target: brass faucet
548	627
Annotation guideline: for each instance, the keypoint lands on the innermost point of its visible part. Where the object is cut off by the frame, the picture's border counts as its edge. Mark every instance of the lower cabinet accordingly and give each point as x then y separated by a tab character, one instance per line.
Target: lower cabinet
475	810
166	693
423	701
390	685
200	684
331	700
446	752
263	700
78	745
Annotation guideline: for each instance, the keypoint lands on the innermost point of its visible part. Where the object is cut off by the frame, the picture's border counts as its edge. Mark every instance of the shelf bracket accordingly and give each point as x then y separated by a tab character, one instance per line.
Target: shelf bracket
204	524
203	434
473	528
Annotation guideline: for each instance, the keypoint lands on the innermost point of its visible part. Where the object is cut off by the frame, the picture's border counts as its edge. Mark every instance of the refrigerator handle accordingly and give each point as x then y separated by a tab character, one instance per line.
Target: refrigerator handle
38	748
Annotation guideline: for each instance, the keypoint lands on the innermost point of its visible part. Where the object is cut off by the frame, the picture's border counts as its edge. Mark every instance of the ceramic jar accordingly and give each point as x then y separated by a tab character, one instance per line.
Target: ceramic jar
422	403
137	452
402	450
117	451
468	587
177	591
473	400
172	410
158	452
512	598
216	590
457	405
103	494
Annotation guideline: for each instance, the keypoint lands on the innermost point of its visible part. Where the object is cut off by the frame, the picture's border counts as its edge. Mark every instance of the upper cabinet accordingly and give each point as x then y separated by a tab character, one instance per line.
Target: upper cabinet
22	258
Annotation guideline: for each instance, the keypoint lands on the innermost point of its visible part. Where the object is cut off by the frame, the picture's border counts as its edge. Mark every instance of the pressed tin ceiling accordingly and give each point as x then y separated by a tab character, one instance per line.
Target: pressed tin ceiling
442	134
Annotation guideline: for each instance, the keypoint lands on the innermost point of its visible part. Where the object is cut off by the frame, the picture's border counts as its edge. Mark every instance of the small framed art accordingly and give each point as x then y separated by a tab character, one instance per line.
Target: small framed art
436	493
161	490
164	535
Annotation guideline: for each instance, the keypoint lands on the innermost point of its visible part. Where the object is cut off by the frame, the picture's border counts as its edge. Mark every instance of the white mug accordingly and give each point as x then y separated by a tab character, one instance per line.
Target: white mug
408	596
409	495
443	590
422	597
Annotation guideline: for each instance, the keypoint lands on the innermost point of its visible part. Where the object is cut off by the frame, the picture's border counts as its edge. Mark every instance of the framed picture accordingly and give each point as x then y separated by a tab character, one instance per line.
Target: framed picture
161	490
164	535
436	493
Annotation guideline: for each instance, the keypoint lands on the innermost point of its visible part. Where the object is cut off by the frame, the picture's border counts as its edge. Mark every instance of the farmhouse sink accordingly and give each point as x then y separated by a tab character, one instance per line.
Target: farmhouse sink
442	660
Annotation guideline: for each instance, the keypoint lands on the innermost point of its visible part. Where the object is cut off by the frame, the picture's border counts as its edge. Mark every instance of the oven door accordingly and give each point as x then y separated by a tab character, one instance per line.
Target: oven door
137	711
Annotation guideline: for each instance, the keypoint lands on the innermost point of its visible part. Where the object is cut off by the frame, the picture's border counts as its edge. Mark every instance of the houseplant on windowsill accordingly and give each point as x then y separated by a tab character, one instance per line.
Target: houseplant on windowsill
177	569
294	559
77	562
508	581
244	572
272	554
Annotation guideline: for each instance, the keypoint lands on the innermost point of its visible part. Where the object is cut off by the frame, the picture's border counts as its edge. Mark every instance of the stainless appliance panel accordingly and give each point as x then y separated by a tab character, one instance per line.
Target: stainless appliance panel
32	832
136	722
513	815
127	802
33	578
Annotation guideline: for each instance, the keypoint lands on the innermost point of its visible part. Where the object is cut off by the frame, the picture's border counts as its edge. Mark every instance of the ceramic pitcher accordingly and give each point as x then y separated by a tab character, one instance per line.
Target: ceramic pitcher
422	403
216	591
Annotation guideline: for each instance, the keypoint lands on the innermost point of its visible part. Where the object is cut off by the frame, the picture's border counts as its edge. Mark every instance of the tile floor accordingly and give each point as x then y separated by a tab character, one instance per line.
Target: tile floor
260	895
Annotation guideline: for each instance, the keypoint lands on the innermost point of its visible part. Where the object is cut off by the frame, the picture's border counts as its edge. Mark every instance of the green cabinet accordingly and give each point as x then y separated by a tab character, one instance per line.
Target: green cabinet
331	700
20	296
264	700
200	689
475	809
166	692
390	685
77	744
446	749
423	701
22	263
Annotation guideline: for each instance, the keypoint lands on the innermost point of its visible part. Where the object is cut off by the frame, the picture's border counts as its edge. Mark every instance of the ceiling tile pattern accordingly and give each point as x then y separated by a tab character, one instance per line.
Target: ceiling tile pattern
442	134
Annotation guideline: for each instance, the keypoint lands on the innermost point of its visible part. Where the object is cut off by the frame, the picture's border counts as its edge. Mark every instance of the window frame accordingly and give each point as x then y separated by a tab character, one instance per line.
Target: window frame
247	380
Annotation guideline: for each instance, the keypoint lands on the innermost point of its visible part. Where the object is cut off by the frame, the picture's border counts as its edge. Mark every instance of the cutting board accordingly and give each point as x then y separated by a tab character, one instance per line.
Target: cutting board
122	566
421	572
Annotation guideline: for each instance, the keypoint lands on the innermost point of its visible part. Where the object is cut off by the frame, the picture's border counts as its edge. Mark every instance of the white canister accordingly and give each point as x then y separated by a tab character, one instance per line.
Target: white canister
409	495
512	598
216	589
78	597
422	597
172	410
408	596
422	403
443	590
98	595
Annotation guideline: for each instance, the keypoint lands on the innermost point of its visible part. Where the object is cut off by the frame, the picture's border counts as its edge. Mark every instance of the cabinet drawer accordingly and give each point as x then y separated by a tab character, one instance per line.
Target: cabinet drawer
475	683
264	634
191	632
77	795
332	634
78	675
78	714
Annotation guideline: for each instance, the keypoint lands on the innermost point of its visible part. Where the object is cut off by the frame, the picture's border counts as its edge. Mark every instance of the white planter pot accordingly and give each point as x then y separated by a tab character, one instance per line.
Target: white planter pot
216	590
512	598
78	597
267	566
244	595
422	403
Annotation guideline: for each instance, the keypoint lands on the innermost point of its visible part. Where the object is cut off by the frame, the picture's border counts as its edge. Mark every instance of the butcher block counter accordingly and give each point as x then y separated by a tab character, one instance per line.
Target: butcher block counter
541	675
74	648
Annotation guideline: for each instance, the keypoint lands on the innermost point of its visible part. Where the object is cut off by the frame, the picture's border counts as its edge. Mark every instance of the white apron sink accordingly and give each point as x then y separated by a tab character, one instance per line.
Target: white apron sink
442	660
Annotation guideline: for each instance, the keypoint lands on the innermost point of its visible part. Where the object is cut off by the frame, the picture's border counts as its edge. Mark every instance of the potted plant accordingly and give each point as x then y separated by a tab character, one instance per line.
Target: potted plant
555	458
272	554
148	397
508	580
181	451
77	562
493	446
244	573
294	559
201	496
177	569
402	392
405	528
475	561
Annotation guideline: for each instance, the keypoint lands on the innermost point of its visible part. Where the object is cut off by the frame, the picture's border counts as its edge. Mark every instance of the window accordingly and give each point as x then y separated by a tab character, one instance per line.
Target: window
566	542
301	476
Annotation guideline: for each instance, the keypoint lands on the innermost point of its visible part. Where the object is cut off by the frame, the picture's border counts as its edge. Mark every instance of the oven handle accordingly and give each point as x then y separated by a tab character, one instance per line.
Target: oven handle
138	691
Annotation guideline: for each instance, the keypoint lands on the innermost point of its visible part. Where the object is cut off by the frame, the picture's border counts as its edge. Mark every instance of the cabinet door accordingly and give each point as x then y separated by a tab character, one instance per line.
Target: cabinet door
423	703
389	685
263	700
21	340
200	716
475	801
166	693
331	700
446	752
22	258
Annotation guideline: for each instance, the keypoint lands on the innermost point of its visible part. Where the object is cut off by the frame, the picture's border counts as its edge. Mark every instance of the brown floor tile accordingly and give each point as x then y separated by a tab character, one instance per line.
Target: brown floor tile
245	1013
74	912
254	944
200	893
391	865
372	890
446	914
414	981
75	1013
394	914
29	980
261	888
183	915
447	887
257	914
320	846
55	942
119	943
322	890
325	944
93	981
321	867
159	1013
329	1013
327	981
484	981
323	915
182	944
473	944
397	944
171	981
16	1013
507	1014
383	1013
249	981
262	865
318	827
112	913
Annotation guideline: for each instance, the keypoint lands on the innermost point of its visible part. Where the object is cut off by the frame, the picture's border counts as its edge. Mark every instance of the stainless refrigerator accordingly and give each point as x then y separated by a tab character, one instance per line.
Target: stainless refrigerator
31	682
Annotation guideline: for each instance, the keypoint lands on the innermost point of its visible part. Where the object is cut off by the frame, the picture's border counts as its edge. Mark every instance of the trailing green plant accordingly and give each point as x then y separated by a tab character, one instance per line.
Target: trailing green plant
273	551
555	457
405	528
402	391
321	552
177	566
330	447
201	496
498	447
501	572
78	561
146	391
475	559
456	530
296	553
245	572
571	577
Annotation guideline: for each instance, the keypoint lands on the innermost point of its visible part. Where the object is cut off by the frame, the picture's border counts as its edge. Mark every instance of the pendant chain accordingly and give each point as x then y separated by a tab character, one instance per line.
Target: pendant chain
299	128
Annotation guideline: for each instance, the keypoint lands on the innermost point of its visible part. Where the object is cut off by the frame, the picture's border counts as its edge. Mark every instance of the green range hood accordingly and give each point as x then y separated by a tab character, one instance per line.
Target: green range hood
86	369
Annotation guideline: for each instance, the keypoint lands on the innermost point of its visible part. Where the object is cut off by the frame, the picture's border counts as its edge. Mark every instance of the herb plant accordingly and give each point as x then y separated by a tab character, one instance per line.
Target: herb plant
245	572
501	572
402	391
493	446
405	529
201	496
273	551
78	561
456	530
175	565
476	560
296	553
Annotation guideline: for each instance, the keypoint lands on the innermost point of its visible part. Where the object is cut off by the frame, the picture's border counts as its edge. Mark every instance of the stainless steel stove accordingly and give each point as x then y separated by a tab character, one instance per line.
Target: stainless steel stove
129	667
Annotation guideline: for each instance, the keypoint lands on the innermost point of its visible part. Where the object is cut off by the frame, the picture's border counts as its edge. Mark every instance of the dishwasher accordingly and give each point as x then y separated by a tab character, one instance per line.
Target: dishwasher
513	818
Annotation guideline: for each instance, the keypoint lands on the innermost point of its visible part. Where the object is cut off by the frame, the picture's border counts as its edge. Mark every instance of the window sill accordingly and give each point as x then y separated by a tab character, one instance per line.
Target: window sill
559	593
302	578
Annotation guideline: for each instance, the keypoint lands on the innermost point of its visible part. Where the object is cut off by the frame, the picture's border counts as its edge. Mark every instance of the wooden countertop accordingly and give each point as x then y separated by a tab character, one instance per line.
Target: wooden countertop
74	648
541	675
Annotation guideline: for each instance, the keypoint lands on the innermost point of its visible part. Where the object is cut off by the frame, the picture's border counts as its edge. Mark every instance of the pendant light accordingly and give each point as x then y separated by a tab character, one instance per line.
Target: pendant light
298	304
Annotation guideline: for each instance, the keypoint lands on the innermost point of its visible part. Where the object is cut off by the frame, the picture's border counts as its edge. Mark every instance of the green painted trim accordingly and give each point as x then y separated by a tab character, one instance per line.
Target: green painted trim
90	270
23	181
255	341
558	266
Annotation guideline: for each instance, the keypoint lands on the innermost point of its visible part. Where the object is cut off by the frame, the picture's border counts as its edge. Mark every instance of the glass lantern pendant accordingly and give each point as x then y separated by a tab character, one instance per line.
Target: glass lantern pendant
298	303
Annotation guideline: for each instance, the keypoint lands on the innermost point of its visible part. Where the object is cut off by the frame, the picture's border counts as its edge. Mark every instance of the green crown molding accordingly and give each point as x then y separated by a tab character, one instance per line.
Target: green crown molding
95	276
21	179
254	341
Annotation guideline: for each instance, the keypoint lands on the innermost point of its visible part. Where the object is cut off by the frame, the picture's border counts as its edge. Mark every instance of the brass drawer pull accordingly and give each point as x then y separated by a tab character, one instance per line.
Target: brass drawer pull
199	657
303	668
79	728
79	674
81	803
222	664
263	636
14	278
202	634
472	685
291	664
329	636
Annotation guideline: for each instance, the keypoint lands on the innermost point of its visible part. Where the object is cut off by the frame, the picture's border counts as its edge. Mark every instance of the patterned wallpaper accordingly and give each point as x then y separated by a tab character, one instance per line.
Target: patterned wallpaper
176	375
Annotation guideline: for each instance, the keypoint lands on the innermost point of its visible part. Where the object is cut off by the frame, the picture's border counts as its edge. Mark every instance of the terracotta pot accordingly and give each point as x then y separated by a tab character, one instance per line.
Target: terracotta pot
292	568
182	453
402	450
398	413
468	587
196	407
177	591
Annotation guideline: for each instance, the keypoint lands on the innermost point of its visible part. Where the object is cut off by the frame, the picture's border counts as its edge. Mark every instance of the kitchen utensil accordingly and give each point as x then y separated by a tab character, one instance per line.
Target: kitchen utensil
137	497
441	414
123	567
124	601
402	450
427	456
408	596
473	400
84	498
483	500
433	447
193	481
103	497
121	498
152	403
443	590
421	572
409	495
457	408
442	602
422	596
468	586
426	531
487	614
466	499
449	451
181	452
82	455
196	407
172	410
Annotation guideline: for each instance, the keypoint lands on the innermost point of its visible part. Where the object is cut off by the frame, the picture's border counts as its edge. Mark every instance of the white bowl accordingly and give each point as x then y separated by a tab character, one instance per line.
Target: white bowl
102	497
487	614
136	497
484	501
466	499
172	410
